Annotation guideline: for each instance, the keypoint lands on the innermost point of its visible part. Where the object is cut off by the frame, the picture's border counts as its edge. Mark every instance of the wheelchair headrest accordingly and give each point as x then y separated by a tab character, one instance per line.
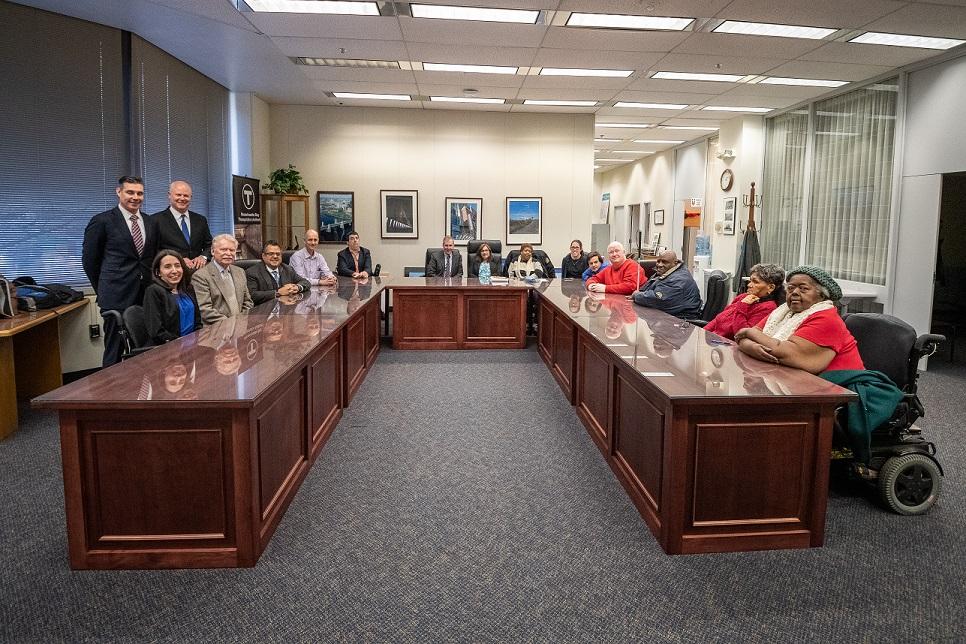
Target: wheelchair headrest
885	344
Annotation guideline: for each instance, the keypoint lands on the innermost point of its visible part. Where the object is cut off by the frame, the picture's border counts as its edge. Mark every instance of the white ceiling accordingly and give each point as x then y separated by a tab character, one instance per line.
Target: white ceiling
252	52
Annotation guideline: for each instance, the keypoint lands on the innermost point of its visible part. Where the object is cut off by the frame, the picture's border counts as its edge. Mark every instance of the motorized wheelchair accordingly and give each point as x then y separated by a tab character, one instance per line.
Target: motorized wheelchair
903	464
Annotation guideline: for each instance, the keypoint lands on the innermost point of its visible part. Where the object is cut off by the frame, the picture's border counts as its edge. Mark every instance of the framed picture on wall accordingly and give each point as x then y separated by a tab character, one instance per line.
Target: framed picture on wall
728	225
336	215
524	220
400	214
658	217
464	219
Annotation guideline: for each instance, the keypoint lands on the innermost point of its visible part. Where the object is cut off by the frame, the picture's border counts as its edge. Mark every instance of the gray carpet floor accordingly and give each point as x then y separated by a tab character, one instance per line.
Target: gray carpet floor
460	499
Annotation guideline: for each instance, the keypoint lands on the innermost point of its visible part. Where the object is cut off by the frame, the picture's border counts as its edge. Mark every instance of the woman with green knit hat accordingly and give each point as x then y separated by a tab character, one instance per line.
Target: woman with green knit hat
806	331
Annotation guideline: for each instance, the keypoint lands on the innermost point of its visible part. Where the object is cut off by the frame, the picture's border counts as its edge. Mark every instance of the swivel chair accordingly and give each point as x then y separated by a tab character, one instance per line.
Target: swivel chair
716	298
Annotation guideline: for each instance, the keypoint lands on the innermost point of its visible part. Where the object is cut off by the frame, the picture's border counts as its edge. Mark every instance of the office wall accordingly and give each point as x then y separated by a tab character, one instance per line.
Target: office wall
649	180
441	154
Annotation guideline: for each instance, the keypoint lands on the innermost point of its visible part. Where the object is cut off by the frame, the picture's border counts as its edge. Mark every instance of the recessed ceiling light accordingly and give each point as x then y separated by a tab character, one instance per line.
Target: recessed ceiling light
619	21
726	78
901	40
473	13
320	6
723	108
471	69
633	126
606	73
348	62
607	140
630	151
375	97
651	106
612	160
803	82
769	29
531	101
456	99
658	141
688	127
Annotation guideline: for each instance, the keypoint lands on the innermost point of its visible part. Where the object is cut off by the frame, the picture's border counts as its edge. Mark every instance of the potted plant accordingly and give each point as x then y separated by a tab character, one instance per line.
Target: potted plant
287	181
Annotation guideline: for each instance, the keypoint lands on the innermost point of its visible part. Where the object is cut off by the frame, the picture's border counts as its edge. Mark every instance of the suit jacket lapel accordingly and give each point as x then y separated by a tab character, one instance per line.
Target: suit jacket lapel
121	222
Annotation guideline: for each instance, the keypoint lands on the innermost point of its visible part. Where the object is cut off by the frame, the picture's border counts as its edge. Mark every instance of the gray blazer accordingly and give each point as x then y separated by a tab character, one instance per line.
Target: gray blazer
209	291
437	265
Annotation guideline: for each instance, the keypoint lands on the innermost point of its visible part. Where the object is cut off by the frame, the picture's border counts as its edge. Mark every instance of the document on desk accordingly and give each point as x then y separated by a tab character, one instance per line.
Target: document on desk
499	281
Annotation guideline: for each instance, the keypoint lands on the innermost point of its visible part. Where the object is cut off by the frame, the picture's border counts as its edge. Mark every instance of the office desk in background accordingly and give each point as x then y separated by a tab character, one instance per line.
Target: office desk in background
29	359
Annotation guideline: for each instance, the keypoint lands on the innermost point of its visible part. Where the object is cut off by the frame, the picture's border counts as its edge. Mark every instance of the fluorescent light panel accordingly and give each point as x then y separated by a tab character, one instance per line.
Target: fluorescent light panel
457	99
315	6
651	106
724	78
630	151
374	97
902	40
479	14
531	101
723	108
620	21
802	82
658	141
472	69
770	29
688	127
633	126
348	62
606	73
612	160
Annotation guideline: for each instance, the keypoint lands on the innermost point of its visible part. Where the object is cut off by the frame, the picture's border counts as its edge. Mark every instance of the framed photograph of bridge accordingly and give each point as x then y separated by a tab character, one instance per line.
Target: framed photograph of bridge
400	214
336	216
524	220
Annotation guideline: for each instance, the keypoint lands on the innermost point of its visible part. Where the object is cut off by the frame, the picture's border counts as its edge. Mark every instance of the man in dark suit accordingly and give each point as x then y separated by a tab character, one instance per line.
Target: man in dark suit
447	262
119	246
354	260
272	278
183	230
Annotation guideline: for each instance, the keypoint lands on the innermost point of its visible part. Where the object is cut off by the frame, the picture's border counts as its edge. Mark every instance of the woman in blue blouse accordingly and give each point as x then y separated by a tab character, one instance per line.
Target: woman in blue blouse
170	308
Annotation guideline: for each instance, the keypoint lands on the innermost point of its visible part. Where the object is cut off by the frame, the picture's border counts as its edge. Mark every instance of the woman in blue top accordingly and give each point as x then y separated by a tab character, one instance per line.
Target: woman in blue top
170	308
483	264
595	264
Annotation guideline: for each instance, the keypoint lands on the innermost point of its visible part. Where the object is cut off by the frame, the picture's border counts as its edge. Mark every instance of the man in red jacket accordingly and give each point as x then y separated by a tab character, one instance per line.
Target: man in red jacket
622	277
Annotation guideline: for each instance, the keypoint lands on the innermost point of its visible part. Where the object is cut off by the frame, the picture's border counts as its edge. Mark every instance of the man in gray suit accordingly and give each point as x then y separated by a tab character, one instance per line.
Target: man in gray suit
220	287
447	262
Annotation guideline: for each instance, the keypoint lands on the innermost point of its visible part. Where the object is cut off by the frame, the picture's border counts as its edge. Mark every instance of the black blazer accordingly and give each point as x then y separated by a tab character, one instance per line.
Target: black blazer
345	266
261	286
437	264
111	262
495	268
171	237
162	315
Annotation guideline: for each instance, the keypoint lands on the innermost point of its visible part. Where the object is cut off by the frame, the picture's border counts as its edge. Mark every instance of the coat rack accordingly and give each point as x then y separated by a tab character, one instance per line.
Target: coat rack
751	201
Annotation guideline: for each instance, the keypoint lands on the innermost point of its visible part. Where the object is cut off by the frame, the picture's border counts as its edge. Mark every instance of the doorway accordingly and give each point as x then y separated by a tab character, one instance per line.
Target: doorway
949	289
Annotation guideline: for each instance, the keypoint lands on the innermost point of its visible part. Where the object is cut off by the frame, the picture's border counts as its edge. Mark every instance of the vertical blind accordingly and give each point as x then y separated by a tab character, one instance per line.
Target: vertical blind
62	141
848	186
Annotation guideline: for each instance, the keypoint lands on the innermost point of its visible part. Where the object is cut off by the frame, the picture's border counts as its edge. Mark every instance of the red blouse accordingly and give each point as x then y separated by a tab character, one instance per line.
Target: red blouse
739	315
827	329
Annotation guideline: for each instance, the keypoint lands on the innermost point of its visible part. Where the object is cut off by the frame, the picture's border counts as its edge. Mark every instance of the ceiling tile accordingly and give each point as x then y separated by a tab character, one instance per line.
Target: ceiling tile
354	48
669	8
367	88
612	39
321	26
458	79
766	90
449	89
677	87
718	64
595	59
738	45
459	55
465	32
924	20
854	53
575	82
814	13
736	98
575	94
668	97
466	107
321	73
831	71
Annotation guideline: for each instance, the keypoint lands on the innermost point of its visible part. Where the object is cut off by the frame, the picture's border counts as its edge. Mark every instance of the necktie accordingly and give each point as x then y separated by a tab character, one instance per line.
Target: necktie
446	270
136	235
184	229
275	277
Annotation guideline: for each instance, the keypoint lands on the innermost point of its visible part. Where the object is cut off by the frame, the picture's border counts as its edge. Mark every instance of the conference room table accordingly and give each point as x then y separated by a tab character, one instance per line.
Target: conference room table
189	454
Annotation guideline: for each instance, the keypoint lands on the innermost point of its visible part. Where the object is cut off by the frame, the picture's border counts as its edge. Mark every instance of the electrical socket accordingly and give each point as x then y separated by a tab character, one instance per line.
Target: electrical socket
95	331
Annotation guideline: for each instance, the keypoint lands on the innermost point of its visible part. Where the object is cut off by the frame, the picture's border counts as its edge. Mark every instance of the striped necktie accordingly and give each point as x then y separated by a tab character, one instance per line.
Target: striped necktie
136	235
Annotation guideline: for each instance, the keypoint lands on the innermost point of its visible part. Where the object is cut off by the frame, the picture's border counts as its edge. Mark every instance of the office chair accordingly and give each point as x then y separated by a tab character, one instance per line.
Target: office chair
132	329
496	249
245	264
539	256
429	254
716	298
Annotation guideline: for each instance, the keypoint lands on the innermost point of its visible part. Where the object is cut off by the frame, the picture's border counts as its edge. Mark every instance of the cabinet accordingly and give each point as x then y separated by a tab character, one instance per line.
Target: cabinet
285	218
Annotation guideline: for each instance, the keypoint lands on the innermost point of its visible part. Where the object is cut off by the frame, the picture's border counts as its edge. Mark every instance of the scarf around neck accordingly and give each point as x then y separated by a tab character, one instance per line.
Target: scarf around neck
782	323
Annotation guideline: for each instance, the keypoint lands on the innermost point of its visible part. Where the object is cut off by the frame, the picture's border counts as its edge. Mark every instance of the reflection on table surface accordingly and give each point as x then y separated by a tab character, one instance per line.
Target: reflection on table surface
679	358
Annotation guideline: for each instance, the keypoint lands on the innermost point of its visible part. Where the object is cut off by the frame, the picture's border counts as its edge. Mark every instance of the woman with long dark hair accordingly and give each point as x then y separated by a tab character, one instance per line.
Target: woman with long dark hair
170	307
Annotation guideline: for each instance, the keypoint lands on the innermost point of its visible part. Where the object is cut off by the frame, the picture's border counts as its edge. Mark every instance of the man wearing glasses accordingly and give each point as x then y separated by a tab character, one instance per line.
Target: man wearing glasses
272	279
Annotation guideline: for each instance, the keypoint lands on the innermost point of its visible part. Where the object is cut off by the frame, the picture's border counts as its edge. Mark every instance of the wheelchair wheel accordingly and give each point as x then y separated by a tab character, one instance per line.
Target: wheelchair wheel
909	484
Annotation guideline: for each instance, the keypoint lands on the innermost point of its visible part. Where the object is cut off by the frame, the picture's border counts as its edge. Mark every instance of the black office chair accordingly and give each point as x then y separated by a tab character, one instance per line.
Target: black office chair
496	248
133	331
245	264
539	256
429	255
649	266
716	298
287	255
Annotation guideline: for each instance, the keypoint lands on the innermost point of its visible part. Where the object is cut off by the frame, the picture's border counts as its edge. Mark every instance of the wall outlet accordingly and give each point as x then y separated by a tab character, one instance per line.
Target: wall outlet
95	331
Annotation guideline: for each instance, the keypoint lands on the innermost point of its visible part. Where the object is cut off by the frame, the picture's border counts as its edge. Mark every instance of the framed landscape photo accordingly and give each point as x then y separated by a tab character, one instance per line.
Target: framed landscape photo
464	219
524	220
336	215
400	214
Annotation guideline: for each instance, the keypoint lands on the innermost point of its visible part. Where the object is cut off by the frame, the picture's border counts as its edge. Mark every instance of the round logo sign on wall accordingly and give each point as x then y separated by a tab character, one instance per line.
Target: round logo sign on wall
248	196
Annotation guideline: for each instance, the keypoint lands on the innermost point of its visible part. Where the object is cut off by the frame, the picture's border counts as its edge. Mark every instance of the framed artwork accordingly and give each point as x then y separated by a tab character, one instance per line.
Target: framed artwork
524	220
728	225
658	217
604	213
336	215
400	214
464	219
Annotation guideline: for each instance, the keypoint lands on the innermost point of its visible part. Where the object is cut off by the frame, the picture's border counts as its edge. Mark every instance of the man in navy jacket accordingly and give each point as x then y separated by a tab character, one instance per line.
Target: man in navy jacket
671	289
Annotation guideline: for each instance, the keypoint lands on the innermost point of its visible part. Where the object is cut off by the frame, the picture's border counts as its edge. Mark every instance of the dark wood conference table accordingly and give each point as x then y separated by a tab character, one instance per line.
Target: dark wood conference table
718	451
188	455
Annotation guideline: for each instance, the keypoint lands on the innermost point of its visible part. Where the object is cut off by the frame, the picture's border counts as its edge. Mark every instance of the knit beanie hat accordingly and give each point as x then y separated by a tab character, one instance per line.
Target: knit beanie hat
820	276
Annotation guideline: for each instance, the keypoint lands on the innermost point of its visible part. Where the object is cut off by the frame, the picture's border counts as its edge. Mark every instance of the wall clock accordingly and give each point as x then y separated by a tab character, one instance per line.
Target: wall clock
727	178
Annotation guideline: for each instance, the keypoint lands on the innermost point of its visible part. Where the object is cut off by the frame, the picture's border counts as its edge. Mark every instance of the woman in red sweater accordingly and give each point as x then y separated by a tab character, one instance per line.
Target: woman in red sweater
765	292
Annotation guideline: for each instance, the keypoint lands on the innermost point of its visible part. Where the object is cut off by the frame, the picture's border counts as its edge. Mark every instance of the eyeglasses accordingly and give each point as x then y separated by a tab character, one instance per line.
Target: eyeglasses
273	254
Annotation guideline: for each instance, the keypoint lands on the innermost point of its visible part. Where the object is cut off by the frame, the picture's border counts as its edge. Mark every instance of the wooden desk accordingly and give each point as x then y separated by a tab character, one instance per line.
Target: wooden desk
188	455
29	359
439	313
718	451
